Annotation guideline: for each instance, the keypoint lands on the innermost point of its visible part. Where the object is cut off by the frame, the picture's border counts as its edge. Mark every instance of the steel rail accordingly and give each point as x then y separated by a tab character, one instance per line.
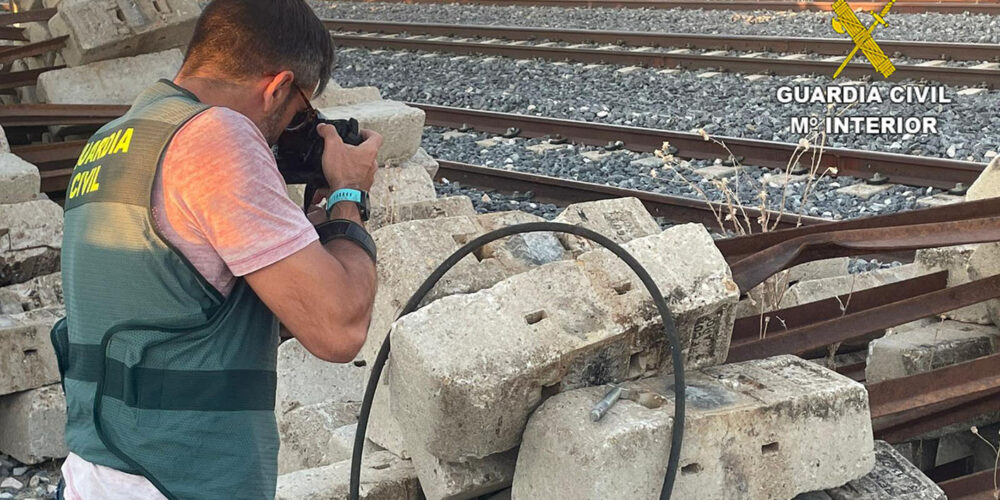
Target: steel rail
909	406
13	53
754	269
952	75
911	6
748	329
12	33
901	169
977	486
852	326
27	16
16	79
29	115
823	46
737	248
564	192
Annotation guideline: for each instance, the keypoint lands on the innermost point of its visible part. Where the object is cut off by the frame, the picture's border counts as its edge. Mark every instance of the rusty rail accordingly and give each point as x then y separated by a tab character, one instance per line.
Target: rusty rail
563	192
27	16
748	329
27	115
737	248
853	326
911	6
12	33
909	406
13	53
17	79
824	46
952	75
901	169
978	486
753	270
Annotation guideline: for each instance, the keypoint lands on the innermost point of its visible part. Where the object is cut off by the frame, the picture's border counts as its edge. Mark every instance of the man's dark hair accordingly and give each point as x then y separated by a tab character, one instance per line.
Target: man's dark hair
252	38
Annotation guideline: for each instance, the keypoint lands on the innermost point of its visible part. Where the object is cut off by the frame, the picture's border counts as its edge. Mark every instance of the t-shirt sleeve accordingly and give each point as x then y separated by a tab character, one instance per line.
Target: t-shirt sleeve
225	183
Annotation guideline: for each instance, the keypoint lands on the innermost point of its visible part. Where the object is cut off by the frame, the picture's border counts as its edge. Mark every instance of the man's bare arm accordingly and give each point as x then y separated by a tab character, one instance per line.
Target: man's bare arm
322	295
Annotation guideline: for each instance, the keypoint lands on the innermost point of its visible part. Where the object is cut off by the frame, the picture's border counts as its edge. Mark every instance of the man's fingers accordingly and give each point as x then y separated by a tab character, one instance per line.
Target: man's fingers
328	132
373	137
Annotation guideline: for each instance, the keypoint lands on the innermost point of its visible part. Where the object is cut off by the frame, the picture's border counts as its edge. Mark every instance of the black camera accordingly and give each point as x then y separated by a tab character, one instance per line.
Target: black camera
299	151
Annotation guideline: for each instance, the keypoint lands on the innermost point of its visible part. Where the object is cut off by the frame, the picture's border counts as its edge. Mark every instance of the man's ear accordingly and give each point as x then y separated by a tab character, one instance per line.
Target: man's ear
277	90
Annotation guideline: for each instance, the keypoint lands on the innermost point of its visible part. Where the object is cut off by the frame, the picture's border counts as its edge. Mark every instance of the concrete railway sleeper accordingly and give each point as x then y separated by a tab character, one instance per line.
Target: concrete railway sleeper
677	432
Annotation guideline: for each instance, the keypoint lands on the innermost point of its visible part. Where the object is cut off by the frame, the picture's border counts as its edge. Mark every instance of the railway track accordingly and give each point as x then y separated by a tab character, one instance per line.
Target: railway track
900	169
952	75
906	6
822	46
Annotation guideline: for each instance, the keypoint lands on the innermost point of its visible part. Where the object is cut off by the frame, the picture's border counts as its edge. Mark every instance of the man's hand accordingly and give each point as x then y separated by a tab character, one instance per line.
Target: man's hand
347	166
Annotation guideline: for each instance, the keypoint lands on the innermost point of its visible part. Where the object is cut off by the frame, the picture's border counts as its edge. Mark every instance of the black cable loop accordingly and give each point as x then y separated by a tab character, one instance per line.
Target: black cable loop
677	432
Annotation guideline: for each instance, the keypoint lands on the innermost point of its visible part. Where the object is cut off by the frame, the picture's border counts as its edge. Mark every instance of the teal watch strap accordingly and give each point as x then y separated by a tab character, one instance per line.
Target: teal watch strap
340	195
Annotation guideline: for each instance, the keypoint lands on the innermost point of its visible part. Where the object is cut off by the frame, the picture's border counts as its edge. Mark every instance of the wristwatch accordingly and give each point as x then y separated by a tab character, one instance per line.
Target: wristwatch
348	230
356	195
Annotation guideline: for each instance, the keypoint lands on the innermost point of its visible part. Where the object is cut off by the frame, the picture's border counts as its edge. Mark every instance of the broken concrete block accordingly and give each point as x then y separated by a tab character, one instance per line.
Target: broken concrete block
955	260
893	478
400	125
106	29
4	144
19	180
620	219
987	185
32	245
397	185
316	435
410	251
27	359
384	476
805	292
339	96
304	379
751	431
33	424
116	81
36	293
465	479
936	345
420	158
459	393
451	206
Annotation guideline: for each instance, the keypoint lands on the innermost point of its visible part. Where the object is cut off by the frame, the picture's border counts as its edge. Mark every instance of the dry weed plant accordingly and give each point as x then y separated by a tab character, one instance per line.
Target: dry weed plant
733	216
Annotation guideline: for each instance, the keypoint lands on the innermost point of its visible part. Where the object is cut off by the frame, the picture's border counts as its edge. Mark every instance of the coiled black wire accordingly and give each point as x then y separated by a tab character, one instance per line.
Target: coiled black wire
677	433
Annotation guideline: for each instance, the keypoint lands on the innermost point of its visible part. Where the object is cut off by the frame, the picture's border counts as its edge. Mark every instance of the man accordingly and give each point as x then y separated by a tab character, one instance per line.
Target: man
181	250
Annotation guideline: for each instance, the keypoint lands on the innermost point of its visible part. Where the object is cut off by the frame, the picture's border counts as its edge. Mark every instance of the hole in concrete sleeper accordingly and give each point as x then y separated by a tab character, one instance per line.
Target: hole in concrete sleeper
623	287
535	317
690	469
769	448
120	15
29	352
360	362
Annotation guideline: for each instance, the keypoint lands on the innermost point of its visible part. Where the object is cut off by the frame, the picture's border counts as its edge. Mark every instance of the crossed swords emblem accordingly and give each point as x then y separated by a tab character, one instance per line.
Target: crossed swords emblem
846	21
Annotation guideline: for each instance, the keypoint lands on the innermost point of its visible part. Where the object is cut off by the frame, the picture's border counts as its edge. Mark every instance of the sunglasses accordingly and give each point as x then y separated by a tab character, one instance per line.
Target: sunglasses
304	117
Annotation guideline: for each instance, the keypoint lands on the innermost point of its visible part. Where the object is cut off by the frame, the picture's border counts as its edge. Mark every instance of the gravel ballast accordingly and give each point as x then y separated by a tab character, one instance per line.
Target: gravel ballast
643	171
726	104
976	28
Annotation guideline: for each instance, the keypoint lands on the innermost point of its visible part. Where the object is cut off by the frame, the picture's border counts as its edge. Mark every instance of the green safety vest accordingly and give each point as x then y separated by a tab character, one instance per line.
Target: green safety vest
163	376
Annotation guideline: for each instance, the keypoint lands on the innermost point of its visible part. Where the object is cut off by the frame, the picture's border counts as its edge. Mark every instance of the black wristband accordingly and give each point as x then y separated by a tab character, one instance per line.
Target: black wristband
349	230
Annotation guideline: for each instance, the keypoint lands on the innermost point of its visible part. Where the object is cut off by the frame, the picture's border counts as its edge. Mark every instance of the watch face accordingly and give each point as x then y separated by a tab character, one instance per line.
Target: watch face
363	206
